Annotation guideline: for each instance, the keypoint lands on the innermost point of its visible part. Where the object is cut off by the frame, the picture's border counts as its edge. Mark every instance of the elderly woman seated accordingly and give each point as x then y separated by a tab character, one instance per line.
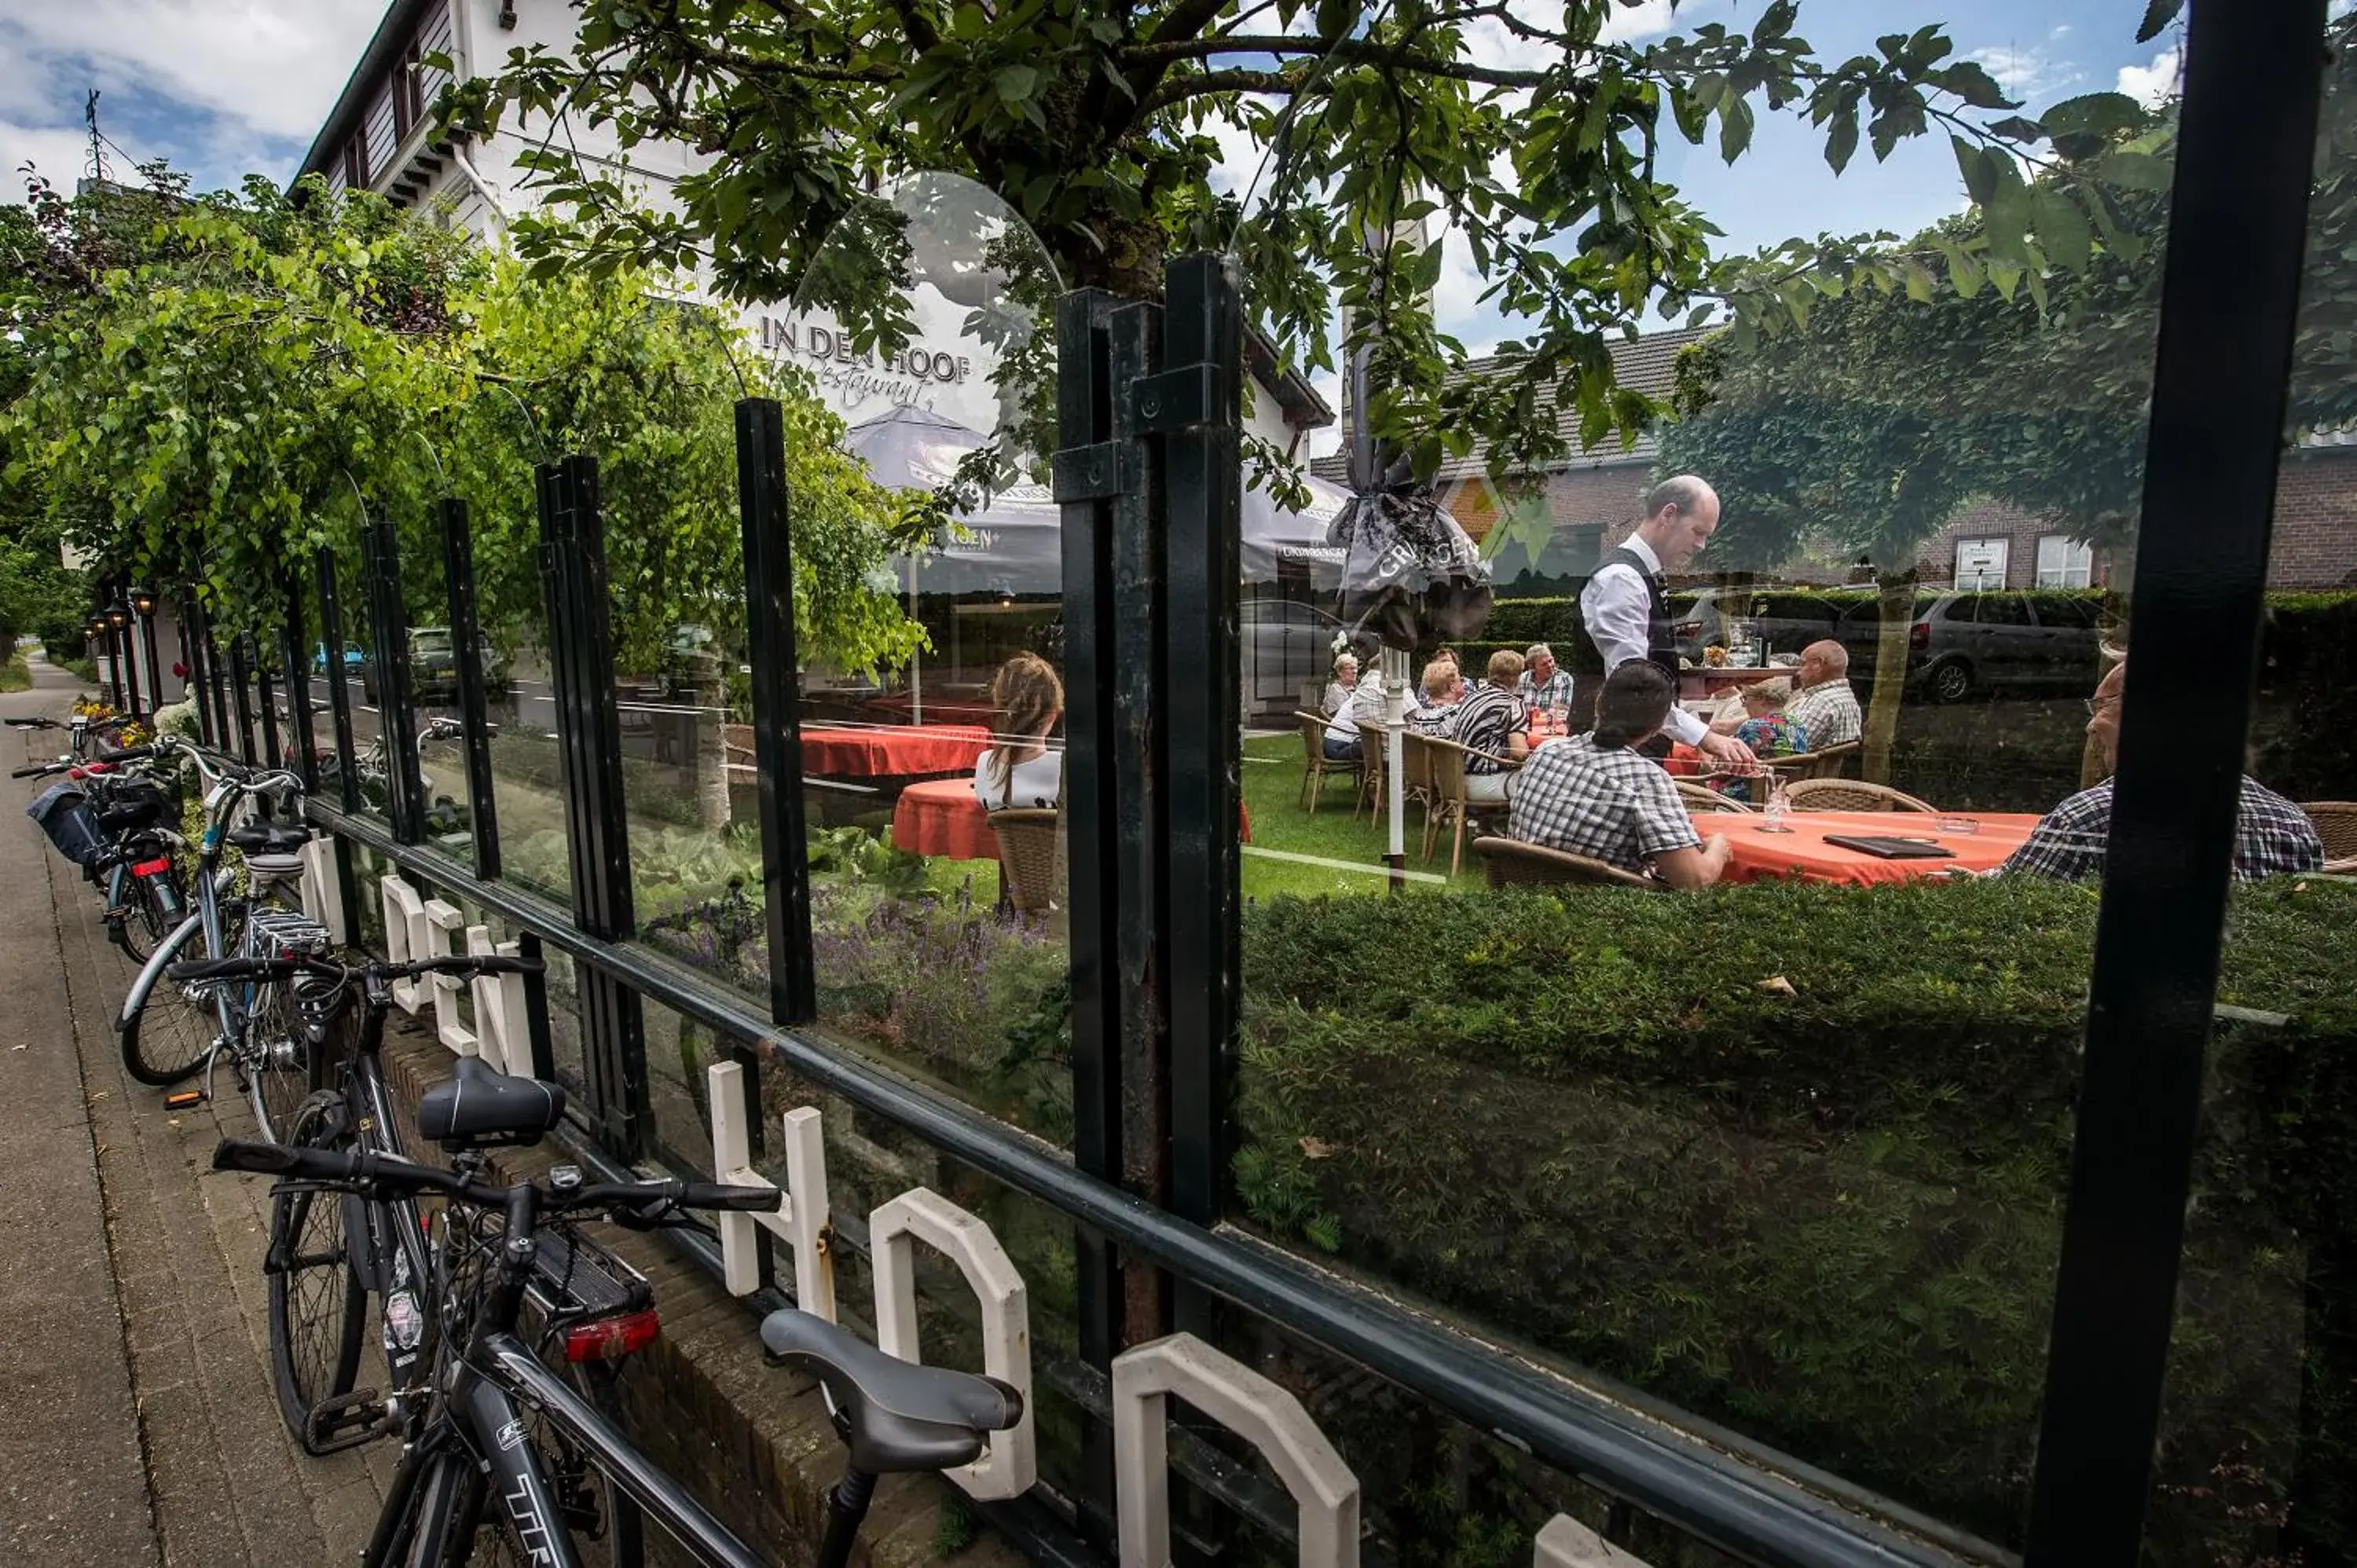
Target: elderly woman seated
1595	795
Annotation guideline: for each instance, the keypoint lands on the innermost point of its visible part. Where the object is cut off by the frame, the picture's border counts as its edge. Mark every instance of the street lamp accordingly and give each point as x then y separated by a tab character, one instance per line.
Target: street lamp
143	601
118	615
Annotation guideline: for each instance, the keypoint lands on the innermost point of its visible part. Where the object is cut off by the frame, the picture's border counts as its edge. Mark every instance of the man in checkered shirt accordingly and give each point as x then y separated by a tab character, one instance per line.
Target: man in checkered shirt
2270	834
1594	795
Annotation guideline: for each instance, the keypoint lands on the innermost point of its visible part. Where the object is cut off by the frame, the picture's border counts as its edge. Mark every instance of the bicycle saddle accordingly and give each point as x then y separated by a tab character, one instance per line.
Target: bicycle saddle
480	1107
899	1416
269	838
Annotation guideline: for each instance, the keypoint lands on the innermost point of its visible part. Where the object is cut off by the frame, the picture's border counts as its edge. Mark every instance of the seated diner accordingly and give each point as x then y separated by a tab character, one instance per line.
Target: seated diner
1596	795
1020	768
1491	723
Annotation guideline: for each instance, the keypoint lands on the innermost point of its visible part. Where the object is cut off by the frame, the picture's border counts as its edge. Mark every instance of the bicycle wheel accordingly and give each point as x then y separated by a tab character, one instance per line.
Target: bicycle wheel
150	915
317	1309
167	1035
277	1059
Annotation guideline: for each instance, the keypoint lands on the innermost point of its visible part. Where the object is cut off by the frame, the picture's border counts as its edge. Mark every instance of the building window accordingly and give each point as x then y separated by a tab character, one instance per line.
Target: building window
1980	563
2064	563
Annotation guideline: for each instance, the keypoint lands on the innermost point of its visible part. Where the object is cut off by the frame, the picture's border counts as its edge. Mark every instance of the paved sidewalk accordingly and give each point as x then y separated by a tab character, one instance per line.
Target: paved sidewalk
137	1419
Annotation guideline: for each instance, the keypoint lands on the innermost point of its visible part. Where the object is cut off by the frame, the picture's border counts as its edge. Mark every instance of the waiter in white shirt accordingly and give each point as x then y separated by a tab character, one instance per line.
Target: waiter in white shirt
1626	612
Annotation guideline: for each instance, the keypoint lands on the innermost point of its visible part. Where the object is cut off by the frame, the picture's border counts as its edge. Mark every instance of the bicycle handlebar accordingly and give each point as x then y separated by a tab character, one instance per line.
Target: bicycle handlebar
645	1201
467	964
41	770
127	753
34	723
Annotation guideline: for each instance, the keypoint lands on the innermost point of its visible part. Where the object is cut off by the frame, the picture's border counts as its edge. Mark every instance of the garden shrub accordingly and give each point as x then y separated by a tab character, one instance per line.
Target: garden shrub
1826	1217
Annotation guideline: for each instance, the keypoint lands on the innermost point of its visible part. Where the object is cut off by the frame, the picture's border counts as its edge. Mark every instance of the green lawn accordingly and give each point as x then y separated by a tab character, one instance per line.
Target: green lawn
13	674
1272	781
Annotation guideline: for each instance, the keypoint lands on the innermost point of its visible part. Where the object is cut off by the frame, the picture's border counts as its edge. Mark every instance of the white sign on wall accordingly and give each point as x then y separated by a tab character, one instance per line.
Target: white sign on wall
943	369
1980	564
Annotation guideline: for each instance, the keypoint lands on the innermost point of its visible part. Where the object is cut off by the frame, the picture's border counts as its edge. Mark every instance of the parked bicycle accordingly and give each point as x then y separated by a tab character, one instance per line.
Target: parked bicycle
113	823
87	734
325	1259
474	1480
170	1030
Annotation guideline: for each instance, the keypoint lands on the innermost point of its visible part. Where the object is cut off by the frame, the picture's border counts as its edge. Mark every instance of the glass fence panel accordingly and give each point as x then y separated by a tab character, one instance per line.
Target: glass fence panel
938	933
1777	1136
433	718
2257	1461
519	693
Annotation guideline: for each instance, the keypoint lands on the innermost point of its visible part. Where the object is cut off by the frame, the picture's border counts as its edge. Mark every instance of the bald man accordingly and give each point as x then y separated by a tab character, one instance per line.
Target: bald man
1823	702
1625	612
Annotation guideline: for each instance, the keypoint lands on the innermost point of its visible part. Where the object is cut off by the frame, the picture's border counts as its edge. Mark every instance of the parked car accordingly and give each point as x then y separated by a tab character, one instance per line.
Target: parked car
434	666
353	658
1961	643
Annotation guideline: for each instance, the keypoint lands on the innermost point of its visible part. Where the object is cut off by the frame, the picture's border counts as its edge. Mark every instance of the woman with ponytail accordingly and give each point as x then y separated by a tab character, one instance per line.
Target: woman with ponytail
1019	769
1595	795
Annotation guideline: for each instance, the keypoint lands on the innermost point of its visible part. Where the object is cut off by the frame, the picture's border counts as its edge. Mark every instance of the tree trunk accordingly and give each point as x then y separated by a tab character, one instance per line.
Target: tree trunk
711	760
1897	607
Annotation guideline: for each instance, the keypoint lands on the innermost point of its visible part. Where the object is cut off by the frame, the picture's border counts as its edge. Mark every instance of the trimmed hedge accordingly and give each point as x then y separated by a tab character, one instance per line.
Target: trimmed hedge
1828	1216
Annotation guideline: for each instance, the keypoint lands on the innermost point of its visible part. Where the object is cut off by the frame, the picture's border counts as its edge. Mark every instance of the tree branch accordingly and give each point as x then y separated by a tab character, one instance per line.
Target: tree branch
1356	50
1204	84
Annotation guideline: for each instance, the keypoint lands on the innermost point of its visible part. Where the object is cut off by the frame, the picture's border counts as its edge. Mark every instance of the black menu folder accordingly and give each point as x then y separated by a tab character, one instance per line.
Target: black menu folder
1891	848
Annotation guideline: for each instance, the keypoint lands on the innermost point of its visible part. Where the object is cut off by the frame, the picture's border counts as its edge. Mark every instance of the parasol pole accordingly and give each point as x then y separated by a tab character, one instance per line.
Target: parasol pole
1394	766
916	656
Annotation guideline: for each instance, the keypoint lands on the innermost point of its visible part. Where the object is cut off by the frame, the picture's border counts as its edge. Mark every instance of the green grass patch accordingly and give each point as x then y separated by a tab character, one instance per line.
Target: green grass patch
1272	784
16	675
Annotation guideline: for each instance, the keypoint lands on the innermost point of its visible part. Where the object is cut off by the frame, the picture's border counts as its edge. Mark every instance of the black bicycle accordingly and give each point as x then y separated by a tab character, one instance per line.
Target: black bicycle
112	821
474	1480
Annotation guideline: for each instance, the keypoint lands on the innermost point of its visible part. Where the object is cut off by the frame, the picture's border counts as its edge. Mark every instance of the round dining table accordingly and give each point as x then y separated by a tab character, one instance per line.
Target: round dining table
892	750
1805	854
940	816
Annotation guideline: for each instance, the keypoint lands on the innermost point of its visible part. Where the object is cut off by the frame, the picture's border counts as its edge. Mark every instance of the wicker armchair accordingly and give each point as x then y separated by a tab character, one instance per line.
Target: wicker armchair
1316	765
1828	763
1026	857
1511	861
1851	795
1451	805
1703	798
2336	824
1376	774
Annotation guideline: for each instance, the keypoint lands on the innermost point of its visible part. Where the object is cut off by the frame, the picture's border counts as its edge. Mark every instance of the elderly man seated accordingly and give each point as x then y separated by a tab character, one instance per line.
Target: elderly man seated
1595	795
2270	834
1822	702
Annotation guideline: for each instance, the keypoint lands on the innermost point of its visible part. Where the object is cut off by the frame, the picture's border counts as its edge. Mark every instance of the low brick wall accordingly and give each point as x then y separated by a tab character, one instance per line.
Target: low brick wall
750	1440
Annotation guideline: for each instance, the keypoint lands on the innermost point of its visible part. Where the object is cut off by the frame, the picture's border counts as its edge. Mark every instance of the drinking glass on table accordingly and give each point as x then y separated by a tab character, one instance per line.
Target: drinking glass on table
1774	802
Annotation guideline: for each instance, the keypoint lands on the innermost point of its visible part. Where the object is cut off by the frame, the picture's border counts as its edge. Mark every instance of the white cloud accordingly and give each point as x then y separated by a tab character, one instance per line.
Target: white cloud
2153	84
2026	73
275	65
57	153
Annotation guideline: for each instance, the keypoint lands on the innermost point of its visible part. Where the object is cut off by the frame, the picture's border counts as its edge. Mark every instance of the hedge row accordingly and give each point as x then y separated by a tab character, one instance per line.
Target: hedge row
1792	1158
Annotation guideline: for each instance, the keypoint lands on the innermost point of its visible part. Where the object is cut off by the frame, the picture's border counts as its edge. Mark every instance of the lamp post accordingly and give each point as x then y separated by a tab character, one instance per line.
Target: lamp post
126	658
143	604
94	635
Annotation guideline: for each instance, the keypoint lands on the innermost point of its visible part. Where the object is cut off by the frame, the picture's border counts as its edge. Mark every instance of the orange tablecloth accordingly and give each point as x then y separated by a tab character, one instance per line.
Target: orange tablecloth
940	816
1803	853
893	748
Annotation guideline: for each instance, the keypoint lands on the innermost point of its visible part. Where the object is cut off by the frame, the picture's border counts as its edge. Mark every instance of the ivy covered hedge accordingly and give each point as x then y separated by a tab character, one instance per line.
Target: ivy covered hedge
1792	1158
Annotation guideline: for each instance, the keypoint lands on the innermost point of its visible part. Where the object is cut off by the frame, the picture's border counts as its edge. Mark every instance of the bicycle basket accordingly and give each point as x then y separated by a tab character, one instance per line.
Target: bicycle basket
64	813
279	932
132	803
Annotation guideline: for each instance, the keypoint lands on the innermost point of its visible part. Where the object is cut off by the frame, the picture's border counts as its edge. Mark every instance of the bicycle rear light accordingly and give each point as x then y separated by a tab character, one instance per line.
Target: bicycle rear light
611	1339
155	867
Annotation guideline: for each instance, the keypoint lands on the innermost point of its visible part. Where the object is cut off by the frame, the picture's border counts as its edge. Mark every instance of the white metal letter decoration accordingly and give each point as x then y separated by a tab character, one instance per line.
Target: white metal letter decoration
502	1027
802	1216
1009	1464
407	937
1245	1403
1564	1542
323	890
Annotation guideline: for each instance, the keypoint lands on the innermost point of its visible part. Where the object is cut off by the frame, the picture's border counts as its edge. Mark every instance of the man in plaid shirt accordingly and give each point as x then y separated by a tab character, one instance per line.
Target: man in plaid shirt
1544	682
1592	795
2270	834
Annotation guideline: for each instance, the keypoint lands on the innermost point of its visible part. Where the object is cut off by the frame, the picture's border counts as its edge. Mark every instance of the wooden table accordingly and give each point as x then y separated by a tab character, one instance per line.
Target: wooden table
887	750
1805	854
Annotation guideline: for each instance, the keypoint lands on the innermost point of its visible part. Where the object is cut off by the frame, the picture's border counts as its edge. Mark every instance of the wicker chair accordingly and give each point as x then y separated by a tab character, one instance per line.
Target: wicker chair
1825	764
1511	861
1850	795
1316	765
1026	857
1450	803
1376	771
2336	824
1703	798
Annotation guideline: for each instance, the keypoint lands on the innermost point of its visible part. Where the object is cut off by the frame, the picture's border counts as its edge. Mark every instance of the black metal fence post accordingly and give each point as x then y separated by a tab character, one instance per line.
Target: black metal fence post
273	754
2229	298
1088	474
339	691
295	671
466	630
396	714
776	706
241	671
217	681
572	566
